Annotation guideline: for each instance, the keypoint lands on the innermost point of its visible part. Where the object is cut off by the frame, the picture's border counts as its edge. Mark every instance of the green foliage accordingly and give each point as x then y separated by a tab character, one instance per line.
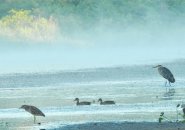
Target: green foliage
163	117
91	12
20	24
183	116
16	18
26	17
160	119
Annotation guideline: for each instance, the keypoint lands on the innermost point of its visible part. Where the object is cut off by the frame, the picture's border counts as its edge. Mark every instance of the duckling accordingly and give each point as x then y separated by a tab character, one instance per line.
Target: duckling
81	103
105	102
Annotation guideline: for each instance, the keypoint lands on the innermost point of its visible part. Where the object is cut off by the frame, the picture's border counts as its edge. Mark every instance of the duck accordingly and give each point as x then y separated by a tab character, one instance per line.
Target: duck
81	103
105	102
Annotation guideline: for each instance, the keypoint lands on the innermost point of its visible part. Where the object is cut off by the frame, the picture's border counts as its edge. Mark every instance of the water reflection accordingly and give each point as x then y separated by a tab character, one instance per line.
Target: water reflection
169	94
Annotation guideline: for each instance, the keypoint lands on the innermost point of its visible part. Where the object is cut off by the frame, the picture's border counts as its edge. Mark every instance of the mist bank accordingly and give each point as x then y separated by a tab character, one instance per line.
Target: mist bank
80	22
72	34
56	58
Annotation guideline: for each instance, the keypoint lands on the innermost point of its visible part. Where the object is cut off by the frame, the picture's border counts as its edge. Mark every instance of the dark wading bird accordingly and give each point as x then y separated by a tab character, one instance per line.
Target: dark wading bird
165	73
33	110
81	103
105	102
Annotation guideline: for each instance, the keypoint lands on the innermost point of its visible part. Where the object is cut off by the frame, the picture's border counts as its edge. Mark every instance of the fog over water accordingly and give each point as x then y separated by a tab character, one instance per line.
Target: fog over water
106	52
145	33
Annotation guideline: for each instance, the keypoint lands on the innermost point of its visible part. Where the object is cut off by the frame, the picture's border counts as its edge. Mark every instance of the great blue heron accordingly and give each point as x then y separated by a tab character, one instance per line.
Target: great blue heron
81	103
33	110
105	102
166	73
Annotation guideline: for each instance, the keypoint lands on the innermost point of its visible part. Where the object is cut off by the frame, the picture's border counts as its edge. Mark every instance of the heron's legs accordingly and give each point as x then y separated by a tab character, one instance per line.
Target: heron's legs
34	119
166	86
169	83
177	114
165	83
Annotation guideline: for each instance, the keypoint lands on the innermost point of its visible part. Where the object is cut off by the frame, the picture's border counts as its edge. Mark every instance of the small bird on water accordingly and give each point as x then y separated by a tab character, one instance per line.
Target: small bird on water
105	102
33	110
165	73
81	103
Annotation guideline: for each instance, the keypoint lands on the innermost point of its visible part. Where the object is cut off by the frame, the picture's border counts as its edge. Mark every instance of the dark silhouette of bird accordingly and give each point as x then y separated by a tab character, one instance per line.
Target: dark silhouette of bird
183	111
33	110
162	113
165	73
105	102
178	105
81	103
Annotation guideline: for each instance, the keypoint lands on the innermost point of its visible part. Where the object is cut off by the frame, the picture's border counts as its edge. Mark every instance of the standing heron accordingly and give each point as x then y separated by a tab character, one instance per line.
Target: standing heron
33	110
81	103
165	73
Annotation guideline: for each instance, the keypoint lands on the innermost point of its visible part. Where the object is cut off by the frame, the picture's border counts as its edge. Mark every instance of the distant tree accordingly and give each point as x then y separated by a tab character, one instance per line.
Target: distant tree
21	25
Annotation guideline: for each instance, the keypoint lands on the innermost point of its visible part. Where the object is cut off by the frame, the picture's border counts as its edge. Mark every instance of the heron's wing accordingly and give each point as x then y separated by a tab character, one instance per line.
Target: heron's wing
166	73
36	111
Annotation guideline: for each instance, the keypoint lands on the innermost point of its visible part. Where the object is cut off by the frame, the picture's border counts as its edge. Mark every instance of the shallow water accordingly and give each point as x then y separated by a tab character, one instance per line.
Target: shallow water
137	99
